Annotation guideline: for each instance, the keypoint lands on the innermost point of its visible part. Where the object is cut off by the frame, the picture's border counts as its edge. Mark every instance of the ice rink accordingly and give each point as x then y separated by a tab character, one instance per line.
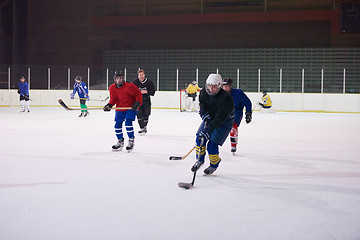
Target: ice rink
295	176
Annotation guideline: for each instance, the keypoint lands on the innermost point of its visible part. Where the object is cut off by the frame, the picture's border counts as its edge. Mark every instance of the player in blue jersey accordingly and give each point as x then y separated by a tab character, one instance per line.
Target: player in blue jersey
240	101
83	92
24	94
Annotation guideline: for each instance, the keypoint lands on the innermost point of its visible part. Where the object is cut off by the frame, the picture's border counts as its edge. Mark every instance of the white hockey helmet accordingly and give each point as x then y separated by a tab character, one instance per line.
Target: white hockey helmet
213	83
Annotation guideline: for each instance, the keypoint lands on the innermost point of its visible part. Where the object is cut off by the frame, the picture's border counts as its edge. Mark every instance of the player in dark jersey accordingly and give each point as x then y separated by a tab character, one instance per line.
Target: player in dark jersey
217	112
147	88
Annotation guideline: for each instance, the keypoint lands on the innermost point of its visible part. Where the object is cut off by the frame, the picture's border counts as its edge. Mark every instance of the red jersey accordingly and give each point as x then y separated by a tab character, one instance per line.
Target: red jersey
125	96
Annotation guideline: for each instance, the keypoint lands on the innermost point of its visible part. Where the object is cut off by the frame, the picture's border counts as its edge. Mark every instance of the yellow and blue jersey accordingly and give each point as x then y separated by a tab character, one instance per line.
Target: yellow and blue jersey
266	100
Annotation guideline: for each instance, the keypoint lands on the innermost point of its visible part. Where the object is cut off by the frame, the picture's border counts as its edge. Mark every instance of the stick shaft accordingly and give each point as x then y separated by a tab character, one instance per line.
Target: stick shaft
193	180
198	158
61	102
99	108
100	100
183	157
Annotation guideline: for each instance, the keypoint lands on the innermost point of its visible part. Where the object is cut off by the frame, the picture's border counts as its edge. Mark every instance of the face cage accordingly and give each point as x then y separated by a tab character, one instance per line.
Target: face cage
208	90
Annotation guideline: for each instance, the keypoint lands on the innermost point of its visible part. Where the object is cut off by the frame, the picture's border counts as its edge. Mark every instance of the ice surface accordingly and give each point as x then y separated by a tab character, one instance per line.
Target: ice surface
295	176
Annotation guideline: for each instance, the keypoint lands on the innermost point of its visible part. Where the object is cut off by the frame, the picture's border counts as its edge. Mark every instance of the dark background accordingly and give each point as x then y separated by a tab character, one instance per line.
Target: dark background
68	32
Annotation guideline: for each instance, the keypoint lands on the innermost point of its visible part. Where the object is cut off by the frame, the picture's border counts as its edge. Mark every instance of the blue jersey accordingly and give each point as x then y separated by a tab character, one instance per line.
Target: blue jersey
240	101
81	89
24	88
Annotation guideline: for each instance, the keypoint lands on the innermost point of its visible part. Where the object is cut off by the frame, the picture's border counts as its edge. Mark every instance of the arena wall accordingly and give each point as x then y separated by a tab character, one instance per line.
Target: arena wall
307	102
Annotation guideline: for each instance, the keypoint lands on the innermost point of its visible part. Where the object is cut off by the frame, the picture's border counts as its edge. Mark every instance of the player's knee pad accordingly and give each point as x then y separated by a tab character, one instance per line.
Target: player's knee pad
128	123
118	124
200	153
212	148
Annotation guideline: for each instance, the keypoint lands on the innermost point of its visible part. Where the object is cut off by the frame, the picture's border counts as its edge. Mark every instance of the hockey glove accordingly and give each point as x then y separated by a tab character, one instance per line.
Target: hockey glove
87	97
135	106
18	91
72	96
206	117
248	117
206	134
107	107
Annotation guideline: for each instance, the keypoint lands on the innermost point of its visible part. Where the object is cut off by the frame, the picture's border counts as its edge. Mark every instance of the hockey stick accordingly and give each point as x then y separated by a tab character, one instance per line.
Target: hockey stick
26	97
99	100
181	158
190	185
61	102
257	104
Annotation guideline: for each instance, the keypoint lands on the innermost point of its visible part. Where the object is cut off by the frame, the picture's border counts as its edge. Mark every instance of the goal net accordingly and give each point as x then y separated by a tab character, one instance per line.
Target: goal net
187	103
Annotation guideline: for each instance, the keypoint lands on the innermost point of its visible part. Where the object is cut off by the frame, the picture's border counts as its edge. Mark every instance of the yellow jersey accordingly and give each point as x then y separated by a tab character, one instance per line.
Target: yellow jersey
191	89
266	100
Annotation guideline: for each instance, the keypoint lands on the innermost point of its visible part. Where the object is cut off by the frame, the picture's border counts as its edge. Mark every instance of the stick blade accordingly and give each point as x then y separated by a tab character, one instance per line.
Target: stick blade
61	102
185	185
175	158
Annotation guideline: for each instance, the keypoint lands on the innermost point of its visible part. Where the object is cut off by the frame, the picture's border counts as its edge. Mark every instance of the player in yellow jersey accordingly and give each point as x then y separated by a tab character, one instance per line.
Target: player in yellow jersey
266	101
192	90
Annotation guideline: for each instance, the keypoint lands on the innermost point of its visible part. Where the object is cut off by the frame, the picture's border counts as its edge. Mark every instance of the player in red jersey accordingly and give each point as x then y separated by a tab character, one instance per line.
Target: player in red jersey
128	97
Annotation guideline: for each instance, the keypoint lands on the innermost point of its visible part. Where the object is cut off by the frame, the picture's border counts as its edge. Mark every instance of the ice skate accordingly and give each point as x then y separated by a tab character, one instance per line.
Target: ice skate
196	166
209	170
86	114
82	114
119	145
233	150
143	131
22	110
28	110
130	145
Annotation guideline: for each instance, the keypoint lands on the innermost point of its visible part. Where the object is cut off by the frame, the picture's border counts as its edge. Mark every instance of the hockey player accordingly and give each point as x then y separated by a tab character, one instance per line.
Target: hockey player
24	94
217	112
83	92
147	88
128	96
240	101
266	101
192	90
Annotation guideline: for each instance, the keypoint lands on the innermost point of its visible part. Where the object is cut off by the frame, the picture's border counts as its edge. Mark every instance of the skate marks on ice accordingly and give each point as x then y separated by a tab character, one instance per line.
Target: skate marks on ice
303	192
20	185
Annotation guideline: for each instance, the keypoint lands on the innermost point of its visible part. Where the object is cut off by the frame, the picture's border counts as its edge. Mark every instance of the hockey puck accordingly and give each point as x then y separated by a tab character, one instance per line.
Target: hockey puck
184	185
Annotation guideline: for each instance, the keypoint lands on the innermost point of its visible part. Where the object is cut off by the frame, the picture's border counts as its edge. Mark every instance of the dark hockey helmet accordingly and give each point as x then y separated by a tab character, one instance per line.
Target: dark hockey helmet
119	78
228	82
264	93
118	74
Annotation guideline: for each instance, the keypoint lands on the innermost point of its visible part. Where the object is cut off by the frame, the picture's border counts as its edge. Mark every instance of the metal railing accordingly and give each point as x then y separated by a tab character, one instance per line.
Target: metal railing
303	80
